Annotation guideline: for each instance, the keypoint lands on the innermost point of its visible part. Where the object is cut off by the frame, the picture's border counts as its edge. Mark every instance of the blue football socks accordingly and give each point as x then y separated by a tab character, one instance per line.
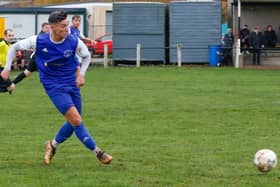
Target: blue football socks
84	136
65	131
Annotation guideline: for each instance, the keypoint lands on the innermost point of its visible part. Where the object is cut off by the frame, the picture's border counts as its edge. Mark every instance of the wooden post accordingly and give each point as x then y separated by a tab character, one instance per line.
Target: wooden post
138	55
105	56
179	54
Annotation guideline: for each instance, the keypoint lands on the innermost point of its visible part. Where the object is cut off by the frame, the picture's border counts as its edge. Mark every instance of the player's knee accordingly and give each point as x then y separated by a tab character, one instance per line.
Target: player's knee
76	121
73	116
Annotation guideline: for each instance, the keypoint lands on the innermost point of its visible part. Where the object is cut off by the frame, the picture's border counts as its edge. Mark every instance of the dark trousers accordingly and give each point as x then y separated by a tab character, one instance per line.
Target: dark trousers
4	84
256	56
244	47
227	57
228	60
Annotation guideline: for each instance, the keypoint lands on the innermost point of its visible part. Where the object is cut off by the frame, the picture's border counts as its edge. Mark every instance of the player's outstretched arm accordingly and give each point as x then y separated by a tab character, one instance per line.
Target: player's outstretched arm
28	43
85	39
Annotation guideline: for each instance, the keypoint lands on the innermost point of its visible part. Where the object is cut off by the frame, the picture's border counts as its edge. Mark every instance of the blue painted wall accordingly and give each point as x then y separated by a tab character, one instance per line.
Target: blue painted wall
196	25
142	23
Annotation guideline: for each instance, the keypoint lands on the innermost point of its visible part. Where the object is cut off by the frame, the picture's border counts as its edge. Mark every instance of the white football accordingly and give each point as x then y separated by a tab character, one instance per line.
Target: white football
265	160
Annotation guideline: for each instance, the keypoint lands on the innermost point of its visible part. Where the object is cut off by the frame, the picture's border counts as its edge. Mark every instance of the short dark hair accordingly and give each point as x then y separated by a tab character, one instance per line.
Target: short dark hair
57	16
76	17
7	30
44	24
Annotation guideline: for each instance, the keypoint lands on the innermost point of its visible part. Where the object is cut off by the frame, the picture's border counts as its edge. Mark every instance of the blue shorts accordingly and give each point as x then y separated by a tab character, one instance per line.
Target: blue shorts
66	97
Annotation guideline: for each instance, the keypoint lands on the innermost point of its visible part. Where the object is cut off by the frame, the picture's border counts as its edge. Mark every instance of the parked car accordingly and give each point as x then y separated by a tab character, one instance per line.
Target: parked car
97	45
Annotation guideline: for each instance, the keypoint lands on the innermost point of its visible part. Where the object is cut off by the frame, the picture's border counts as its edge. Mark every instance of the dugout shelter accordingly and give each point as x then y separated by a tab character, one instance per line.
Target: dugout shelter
256	13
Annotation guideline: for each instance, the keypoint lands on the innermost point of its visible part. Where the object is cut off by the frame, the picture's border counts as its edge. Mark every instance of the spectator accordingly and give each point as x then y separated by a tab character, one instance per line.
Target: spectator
270	38
244	34
19	62
74	28
4	46
6	85
45	27
256	43
227	44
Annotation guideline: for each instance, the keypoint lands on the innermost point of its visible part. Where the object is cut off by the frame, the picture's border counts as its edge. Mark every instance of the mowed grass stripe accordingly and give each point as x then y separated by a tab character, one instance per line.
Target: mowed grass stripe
165	126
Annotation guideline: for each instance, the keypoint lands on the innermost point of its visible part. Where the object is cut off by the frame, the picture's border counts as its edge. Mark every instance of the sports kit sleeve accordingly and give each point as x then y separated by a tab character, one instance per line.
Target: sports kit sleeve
83	52
28	43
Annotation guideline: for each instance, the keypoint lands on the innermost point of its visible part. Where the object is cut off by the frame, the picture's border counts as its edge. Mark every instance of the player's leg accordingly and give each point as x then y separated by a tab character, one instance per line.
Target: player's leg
66	129
70	106
6	85
62	135
73	116
65	132
21	76
60	100
80	130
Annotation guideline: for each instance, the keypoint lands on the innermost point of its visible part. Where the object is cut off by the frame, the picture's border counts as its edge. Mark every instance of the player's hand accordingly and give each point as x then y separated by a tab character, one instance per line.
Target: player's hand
11	88
5	74
80	81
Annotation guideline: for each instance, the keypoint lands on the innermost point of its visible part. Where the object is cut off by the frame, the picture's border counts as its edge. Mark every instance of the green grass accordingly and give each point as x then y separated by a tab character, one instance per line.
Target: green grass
164	126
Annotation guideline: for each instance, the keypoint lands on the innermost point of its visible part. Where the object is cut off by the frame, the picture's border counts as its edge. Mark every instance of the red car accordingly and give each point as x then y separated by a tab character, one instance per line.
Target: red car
97	45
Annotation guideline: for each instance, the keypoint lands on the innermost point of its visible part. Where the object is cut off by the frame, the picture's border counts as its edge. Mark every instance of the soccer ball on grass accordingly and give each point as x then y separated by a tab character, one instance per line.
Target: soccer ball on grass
265	160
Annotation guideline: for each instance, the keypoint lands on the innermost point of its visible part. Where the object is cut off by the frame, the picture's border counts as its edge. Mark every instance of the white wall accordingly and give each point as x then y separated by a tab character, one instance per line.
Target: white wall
23	25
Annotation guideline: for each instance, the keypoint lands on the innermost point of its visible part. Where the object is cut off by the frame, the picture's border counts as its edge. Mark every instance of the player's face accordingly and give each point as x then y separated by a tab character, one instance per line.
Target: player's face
76	23
9	37
60	29
46	28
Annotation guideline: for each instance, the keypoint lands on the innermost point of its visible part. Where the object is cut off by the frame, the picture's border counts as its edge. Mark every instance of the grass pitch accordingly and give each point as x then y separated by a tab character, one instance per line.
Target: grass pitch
164	126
